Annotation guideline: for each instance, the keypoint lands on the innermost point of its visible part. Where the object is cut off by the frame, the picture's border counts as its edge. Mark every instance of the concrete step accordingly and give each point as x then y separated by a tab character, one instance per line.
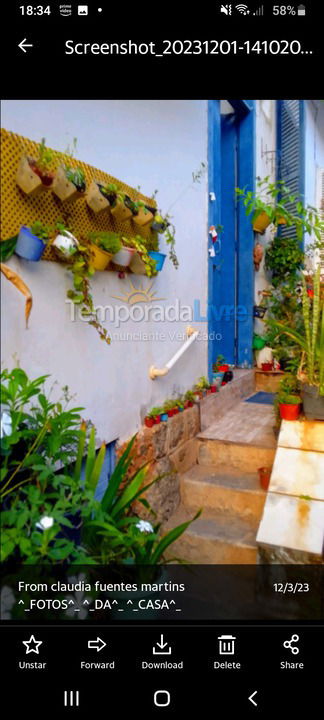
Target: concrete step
223	490
217	539
245	457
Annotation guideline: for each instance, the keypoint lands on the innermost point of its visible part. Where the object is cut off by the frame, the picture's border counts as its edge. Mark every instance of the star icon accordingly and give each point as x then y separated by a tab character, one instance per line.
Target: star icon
32	645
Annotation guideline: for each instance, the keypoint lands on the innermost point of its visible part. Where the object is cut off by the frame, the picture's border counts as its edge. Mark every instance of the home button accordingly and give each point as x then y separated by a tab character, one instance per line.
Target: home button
162	698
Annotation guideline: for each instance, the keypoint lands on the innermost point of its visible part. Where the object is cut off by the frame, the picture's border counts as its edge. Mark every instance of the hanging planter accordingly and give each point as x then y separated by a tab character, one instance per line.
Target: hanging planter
33	174
32	242
141	214
260	222
69	184
124	256
103	246
158	258
29	180
96	200
121	208
65	244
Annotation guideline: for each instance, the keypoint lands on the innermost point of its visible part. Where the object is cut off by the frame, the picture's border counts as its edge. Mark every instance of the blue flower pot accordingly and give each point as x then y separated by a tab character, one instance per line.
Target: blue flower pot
159	259
29	246
164	417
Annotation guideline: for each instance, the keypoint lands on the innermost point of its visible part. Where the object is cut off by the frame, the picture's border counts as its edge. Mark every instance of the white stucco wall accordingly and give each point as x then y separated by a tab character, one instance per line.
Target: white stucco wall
154	144
314	149
265	166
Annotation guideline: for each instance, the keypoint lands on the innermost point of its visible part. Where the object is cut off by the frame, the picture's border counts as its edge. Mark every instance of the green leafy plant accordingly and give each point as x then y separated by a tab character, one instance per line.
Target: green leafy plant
220	360
154	412
202	383
75	175
311	338
81	294
108	241
45	157
41	231
189	396
139	243
284	258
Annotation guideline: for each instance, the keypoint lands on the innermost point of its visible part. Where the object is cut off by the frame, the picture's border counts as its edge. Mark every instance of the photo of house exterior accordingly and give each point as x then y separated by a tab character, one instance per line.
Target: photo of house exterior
196	315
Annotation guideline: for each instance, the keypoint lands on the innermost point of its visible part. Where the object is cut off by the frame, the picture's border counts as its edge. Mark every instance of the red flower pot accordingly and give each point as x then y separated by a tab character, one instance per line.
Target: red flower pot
209	390
157	419
266	367
223	368
176	411
213	389
170	413
264	477
289	412
149	422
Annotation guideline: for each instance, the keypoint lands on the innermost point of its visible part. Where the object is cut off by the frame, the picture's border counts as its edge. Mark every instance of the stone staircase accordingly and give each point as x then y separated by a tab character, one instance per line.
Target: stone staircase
224	483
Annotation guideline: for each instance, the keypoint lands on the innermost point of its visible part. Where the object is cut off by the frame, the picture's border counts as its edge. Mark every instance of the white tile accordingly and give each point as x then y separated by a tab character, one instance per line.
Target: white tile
292	523
298	472
302	434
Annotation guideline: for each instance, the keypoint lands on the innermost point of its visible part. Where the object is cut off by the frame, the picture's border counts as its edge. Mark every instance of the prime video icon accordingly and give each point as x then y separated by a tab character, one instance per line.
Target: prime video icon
65	10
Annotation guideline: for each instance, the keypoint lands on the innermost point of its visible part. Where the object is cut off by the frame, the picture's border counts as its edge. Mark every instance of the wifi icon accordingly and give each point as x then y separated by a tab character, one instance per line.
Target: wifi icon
243	9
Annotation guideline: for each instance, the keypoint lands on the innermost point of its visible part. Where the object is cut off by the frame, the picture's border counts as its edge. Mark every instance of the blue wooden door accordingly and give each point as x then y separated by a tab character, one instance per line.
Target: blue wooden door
231	277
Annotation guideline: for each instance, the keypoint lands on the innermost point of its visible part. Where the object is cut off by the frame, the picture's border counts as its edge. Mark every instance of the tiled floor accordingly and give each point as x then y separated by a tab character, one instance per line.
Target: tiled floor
246	423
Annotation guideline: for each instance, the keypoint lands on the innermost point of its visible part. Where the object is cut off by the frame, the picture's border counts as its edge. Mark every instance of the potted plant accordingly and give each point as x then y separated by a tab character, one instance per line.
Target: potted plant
153	417
69	183
162	224
189	399
142	215
124	256
103	246
289	406
266	206
311	342
180	404
118	201
220	365
283	258
65	243
32	241
82	270
169	408
141	263
34	174
203	385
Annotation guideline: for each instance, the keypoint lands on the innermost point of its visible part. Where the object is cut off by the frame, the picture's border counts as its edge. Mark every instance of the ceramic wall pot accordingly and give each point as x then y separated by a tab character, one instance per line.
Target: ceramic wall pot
65	245
143	217
261	222
28	181
120	212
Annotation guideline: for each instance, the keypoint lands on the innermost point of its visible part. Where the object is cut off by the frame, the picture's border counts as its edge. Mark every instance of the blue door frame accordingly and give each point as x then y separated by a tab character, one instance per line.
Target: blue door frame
231	163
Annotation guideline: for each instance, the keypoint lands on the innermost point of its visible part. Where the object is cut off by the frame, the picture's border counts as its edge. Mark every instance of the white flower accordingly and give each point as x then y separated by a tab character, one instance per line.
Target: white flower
45	523
144	526
6	424
7	600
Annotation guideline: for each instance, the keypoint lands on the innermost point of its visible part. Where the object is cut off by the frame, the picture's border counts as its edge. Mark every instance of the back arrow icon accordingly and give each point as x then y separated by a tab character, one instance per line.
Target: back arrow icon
96	644
23	45
251	698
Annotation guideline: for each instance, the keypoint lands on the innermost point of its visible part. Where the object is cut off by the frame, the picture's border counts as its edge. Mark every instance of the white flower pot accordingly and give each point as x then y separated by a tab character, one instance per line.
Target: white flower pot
66	244
124	256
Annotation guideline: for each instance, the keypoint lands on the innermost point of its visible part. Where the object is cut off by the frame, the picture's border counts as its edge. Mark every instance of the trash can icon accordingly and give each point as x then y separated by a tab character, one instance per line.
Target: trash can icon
226	644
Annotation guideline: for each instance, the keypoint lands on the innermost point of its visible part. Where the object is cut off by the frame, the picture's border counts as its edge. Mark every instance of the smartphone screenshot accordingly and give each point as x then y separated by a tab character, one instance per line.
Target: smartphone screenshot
162	360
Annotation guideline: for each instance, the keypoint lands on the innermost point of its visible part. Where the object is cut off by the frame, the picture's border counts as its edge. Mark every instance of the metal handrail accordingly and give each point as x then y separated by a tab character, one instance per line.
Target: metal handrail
160	372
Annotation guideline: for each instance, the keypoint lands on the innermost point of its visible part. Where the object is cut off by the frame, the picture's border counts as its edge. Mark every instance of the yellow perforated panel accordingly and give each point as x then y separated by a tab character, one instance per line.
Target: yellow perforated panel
18	209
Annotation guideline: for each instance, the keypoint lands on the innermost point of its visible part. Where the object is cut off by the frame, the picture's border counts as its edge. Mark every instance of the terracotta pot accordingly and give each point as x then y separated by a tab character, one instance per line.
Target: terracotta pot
264	477
266	367
149	422
137	266
289	412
